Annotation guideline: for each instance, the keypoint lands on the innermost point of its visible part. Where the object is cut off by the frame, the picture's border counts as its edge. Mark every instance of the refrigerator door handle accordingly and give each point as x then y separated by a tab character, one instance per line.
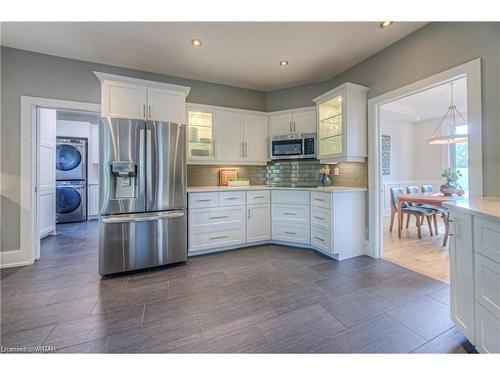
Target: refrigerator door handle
149	169
134	218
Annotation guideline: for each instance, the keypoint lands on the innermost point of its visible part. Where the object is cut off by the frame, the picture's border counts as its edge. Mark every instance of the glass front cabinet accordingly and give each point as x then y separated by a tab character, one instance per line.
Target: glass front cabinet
342	124
200	134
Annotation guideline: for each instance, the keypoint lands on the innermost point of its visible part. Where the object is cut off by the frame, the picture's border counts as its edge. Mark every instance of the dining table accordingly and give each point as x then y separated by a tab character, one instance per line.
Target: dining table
435	199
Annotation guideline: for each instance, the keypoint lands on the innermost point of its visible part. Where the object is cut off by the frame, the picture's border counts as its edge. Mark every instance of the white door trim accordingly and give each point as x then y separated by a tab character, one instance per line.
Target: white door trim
27	252
470	70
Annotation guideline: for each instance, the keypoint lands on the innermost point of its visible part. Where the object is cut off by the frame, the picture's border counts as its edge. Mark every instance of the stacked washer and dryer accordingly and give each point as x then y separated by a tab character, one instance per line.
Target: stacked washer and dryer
71	179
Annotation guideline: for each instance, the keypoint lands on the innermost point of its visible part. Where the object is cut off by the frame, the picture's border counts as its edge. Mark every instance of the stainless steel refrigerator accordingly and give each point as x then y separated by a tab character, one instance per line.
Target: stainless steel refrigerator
142	194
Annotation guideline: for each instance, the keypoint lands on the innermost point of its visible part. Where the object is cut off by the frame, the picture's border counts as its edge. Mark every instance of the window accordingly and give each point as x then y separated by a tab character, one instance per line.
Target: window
459	156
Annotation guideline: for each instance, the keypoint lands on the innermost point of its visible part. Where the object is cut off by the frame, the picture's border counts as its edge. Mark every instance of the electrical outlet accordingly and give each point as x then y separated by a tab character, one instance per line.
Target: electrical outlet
336	171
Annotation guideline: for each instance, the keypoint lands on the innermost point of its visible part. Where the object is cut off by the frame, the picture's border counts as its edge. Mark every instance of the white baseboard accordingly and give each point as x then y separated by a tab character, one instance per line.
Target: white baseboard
13	258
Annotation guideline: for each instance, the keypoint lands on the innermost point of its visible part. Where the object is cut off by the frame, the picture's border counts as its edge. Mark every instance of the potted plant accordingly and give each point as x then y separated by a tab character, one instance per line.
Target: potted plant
451	186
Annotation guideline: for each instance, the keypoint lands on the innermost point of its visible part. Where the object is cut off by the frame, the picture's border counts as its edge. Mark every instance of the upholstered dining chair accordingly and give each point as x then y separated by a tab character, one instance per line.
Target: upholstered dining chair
418	212
441	210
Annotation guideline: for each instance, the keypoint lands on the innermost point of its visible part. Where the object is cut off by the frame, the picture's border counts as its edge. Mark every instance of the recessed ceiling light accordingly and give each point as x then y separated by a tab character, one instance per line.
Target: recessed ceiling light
418	118
196	42
283	63
385	24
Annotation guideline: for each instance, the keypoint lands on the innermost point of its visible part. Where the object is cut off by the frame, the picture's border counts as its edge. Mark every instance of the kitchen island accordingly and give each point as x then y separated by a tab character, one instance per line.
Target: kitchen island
329	220
475	270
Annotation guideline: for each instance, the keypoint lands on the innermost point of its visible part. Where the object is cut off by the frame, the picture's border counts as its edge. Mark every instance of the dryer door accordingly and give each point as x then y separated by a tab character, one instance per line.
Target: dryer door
68	162
67	200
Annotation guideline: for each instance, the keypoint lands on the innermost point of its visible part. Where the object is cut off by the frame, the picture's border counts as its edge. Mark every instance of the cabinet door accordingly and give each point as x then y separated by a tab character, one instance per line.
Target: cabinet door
229	136
256	137
304	122
280	124
165	105
93	204
462	273
331	132
201	135
123	100
93	143
258	222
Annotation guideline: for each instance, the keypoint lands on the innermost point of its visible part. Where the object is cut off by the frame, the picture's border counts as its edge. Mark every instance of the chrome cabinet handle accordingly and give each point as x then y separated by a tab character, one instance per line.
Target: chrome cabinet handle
259	197
319	199
144	110
242	148
290	233
149	110
218	217
289	213
203	200
319	218
319	239
218	238
232	198
294	128
248	214
213	146
245	149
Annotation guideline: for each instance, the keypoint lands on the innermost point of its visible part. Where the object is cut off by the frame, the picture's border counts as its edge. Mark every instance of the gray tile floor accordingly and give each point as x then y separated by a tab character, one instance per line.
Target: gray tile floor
265	299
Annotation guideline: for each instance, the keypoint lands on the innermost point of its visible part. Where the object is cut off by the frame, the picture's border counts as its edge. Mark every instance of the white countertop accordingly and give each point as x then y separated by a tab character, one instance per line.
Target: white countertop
327	189
489	206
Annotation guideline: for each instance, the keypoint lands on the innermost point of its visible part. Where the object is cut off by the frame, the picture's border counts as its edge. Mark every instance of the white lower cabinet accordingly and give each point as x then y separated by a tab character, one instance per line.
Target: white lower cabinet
475	278
258	222
331	223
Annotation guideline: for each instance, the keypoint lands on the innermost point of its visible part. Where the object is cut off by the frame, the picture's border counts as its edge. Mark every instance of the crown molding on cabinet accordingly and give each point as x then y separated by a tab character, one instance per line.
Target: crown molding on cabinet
142	82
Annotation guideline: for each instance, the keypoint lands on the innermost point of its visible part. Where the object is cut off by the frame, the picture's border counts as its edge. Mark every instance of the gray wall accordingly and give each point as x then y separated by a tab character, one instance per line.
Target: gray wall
33	74
430	50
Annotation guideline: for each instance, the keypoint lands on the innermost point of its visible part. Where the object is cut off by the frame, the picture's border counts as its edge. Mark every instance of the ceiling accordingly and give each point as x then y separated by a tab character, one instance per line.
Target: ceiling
428	104
238	54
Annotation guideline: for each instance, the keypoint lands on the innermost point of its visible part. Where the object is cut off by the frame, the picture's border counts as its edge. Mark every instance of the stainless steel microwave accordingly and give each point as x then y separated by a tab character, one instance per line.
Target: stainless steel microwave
292	146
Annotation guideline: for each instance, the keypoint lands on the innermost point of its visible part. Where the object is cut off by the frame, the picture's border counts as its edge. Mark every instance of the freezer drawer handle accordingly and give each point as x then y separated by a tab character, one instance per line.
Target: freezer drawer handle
218	238
319	239
135	219
218	217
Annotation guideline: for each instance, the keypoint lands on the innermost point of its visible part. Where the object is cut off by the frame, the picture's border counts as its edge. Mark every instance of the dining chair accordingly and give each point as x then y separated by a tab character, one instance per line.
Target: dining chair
418	212
439	210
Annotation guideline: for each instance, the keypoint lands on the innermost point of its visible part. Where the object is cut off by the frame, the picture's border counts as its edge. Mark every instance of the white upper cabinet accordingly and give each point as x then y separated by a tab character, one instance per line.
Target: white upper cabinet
256	138
166	105
119	99
300	120
134	98
280	124
230	140
220	135
342	124
304	121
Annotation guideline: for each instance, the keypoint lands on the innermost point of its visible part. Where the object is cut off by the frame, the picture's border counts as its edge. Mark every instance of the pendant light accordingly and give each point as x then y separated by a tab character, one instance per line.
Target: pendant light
452	136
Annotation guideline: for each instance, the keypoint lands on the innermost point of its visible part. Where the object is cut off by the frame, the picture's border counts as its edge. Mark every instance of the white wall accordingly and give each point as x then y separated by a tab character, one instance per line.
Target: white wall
413	160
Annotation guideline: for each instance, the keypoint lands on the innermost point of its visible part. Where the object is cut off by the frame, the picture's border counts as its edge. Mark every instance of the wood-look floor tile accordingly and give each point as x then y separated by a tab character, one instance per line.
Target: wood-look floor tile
425	316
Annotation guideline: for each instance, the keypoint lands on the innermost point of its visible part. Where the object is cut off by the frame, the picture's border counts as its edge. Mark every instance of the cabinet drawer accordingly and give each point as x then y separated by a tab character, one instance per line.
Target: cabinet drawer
487	331
199	218
232	198
290	197
487	284
291	232
321	217
215	239
487	238
321	199
321	238
258	196
201	200
287	213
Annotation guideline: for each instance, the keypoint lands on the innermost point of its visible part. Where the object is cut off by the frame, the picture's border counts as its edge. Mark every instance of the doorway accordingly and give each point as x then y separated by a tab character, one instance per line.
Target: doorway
67	175
426	161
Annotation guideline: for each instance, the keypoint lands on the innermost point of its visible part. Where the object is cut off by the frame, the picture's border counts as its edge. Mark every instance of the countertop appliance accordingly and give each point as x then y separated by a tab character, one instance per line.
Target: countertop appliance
292	146
142	194
71	201
71	158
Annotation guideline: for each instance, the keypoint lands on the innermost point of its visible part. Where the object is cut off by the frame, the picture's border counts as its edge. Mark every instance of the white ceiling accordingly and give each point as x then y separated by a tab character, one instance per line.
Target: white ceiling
428	104
238	54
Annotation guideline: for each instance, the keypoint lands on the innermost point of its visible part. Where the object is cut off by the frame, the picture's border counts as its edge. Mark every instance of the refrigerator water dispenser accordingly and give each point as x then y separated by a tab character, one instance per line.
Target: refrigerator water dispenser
125	179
